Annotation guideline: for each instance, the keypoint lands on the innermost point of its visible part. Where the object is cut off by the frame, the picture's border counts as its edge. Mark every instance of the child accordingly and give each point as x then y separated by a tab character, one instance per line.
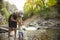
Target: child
20	29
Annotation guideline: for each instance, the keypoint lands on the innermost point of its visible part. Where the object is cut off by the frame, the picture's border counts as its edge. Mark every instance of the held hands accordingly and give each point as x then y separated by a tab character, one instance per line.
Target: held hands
20	23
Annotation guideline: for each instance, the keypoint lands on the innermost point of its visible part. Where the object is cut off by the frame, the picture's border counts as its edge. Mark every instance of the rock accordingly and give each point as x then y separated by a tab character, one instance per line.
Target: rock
2	18
48	30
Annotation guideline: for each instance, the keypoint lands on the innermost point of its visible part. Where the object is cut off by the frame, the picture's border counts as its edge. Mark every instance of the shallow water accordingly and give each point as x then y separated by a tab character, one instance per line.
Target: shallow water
41	34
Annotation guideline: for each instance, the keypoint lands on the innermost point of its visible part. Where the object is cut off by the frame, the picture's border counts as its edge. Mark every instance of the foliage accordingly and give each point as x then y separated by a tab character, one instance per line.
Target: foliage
37	7
51	2
3	11
6	10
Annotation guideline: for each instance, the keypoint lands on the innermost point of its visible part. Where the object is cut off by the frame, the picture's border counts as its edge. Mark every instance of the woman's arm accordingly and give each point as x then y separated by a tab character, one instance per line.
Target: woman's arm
12	19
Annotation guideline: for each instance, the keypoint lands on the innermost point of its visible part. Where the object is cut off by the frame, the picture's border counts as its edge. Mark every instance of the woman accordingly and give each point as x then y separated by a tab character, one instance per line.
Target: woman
12	21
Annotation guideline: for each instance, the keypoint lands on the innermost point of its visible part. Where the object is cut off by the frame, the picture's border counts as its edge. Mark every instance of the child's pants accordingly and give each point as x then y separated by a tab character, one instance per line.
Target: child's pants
21	34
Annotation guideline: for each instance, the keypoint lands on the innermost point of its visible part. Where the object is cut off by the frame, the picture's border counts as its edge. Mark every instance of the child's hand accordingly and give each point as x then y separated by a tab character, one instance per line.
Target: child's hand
20	23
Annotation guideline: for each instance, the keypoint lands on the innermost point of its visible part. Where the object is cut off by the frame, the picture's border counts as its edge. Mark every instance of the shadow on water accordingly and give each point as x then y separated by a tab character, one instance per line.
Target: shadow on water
3	31
2	34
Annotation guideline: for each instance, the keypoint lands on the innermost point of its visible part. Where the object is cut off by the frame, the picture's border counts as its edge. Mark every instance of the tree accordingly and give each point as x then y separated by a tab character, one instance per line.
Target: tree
6	9
38	6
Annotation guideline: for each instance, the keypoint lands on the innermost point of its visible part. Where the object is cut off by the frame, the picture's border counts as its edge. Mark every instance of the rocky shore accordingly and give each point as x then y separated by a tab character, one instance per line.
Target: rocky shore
46	30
